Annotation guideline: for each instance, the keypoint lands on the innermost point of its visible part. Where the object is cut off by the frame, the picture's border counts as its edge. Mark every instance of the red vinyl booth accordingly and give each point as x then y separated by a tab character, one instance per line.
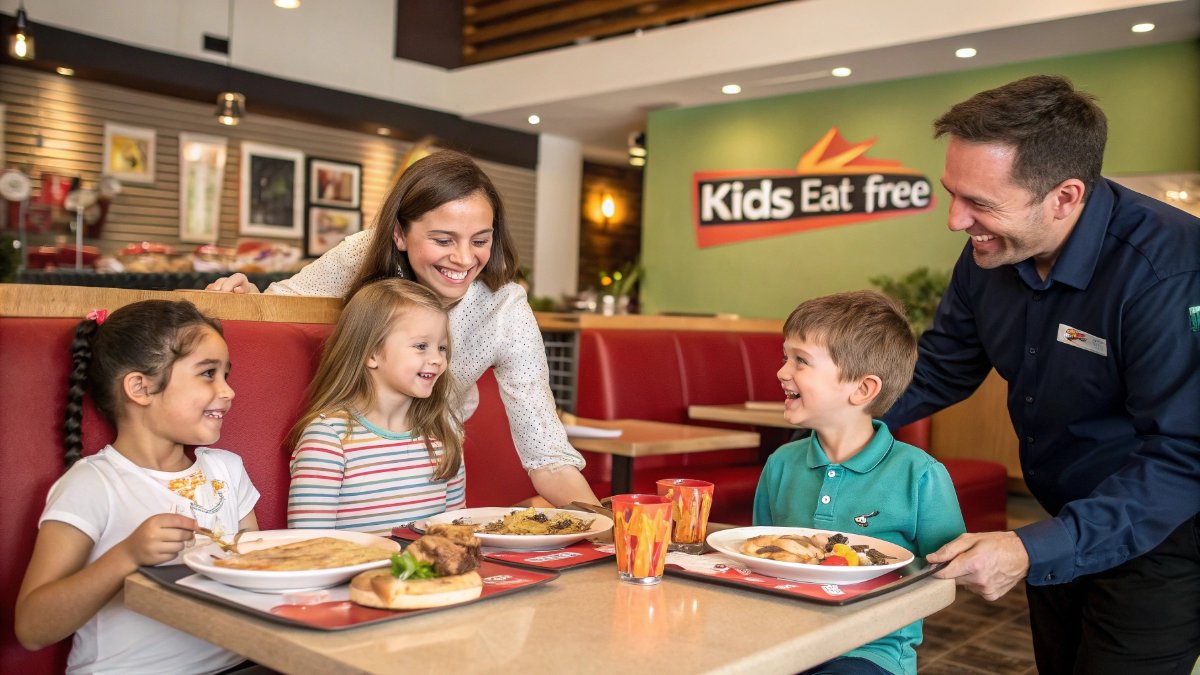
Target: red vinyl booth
272	364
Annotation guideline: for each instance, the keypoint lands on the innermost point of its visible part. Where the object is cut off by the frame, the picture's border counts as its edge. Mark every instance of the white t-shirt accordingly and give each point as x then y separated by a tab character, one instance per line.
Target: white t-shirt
107	497
487	329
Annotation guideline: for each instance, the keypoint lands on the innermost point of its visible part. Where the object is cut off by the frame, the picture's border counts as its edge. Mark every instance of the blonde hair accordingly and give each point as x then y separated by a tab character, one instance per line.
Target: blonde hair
342	384
866	333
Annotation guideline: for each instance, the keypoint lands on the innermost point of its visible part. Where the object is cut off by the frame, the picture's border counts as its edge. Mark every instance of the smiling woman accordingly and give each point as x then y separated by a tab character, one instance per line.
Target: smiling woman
442	225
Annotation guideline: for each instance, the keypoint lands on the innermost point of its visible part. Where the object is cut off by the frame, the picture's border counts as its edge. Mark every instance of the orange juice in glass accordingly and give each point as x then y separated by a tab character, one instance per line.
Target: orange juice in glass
641	532
691	501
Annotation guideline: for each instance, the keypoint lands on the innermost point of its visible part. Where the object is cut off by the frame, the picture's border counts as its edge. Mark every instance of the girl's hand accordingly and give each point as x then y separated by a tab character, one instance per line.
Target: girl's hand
159	538
234	283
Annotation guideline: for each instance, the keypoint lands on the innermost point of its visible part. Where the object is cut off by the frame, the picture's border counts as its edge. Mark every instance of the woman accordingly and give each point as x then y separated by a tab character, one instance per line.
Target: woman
443	225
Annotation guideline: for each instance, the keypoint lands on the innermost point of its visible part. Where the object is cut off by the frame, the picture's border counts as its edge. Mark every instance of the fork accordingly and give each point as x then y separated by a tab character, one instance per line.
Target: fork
226	547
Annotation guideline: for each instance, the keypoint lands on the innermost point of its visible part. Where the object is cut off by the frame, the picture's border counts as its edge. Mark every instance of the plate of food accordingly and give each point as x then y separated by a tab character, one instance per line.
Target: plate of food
810	556
288	561
531	529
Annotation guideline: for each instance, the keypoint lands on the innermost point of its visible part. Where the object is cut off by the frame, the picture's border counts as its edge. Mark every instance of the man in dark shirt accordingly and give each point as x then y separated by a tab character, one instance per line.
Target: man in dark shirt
1085	297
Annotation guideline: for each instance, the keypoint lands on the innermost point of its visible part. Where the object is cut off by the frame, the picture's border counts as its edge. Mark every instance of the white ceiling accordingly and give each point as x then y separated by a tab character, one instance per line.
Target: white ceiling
600	92
577	95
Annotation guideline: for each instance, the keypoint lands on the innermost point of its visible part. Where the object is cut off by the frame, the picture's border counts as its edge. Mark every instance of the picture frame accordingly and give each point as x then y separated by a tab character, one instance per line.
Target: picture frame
271	195
334	183
201	179
327	227
129	153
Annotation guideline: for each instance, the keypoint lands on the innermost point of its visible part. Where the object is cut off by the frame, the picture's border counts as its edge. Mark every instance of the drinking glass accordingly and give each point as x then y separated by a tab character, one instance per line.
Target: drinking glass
691	500
641	532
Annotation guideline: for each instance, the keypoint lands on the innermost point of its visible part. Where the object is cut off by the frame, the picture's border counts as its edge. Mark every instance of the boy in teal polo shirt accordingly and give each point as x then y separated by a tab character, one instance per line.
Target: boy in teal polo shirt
848	357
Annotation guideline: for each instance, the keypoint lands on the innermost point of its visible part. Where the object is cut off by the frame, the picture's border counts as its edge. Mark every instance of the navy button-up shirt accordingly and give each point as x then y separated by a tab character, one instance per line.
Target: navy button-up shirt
1102	360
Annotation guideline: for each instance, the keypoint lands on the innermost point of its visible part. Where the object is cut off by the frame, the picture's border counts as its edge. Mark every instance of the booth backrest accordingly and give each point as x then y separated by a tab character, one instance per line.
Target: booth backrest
272	363
657	374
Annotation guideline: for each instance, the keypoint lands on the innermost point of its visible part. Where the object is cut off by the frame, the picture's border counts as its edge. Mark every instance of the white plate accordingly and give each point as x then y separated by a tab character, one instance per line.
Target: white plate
268	581
521	542
728	541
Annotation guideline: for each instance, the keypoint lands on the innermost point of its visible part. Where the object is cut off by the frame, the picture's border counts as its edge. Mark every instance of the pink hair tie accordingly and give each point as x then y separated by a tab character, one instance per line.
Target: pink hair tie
97	315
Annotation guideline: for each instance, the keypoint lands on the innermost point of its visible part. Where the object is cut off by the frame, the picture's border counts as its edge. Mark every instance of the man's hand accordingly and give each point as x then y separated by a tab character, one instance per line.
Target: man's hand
234	283
989	564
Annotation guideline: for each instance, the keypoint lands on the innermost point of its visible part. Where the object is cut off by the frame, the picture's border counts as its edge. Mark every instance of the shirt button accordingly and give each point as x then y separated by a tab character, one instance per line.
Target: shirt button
1029	399
825	499
1037	297
832	474
1049	577
1029	439
1033	350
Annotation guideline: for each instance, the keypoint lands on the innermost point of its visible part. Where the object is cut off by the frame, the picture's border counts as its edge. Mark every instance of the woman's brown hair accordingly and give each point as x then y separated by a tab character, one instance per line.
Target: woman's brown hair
341	383
432	181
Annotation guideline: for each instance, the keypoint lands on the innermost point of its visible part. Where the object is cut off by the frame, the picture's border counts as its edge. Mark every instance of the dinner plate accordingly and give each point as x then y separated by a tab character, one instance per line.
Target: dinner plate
520	542
200	559
728	541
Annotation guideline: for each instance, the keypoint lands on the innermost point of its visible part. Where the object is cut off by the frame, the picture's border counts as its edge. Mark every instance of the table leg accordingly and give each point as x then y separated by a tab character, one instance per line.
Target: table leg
622	474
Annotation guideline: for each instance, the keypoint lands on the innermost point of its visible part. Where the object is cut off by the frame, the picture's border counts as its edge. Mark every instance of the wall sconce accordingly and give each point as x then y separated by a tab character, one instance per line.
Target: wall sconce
20	41
608	208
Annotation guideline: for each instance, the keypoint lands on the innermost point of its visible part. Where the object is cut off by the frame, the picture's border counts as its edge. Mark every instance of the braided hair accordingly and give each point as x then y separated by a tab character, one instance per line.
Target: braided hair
143	337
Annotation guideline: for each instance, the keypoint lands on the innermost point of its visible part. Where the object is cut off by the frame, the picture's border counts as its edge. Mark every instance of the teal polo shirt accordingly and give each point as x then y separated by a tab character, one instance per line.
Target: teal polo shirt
901	494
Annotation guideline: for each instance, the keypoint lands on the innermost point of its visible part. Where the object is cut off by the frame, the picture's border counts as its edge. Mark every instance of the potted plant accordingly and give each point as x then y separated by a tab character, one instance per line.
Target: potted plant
617	288
920	291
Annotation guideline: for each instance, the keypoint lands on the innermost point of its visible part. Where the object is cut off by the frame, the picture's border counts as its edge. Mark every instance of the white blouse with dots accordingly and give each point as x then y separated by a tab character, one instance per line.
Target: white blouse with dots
488	330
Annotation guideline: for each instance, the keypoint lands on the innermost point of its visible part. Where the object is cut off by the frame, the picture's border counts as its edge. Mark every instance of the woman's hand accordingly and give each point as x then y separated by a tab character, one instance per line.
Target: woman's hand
159	539
234	283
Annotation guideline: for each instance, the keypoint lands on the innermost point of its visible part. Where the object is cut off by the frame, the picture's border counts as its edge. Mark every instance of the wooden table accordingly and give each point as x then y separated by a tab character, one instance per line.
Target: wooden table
583	622
757	414
643	438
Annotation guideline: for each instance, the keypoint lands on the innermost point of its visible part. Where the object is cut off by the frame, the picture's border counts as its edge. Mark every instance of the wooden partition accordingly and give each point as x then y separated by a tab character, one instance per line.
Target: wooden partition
35	300
979	428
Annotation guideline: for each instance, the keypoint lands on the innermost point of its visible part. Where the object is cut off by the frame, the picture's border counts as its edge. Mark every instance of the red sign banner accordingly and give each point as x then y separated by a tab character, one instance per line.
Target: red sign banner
834	183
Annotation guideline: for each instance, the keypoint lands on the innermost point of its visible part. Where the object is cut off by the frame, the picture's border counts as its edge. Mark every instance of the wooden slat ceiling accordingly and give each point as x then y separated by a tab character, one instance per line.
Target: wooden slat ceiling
497	29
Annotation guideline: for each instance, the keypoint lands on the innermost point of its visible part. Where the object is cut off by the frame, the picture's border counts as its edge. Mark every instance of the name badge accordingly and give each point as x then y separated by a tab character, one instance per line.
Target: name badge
1082	340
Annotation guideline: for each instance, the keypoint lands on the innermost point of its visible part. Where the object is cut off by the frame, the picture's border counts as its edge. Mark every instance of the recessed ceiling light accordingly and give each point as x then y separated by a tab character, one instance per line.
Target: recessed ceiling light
731	89
535	120
1142	27
965	52
287	4
841	72
65	71
383	131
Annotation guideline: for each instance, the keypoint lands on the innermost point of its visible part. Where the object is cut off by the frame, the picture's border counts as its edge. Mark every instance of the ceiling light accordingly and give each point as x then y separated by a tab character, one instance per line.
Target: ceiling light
230	107
287	4
841	72
535	120
1142	27
65	71
731	89
383	131
637	161
20	40
965	52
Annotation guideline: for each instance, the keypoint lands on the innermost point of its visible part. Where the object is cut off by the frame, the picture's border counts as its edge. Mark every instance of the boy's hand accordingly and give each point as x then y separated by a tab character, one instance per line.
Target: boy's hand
159	538
989	564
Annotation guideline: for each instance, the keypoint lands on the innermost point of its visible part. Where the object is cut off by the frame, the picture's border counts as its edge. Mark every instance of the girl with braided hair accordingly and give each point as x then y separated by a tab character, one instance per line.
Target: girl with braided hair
157	370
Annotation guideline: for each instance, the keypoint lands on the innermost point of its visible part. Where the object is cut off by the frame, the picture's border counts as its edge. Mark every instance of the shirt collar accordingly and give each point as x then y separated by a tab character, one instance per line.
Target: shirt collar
866	459
1077	262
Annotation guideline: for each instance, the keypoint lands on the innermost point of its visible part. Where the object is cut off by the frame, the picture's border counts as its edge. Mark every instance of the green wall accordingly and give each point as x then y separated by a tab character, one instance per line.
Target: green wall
1151	96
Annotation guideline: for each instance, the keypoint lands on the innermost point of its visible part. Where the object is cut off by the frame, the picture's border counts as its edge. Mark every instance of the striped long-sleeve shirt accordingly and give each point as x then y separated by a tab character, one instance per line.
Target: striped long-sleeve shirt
372	481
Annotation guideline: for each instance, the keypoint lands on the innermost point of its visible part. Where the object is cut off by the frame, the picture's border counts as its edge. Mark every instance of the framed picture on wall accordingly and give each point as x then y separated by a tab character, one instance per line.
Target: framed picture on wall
271	198
129	153
201	177
334	183
328	227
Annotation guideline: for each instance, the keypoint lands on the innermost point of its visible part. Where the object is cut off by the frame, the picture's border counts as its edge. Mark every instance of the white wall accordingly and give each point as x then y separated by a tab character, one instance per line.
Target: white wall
556	244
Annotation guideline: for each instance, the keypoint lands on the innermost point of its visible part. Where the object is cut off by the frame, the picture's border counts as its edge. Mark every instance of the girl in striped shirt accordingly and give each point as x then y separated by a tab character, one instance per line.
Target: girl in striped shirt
378	445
